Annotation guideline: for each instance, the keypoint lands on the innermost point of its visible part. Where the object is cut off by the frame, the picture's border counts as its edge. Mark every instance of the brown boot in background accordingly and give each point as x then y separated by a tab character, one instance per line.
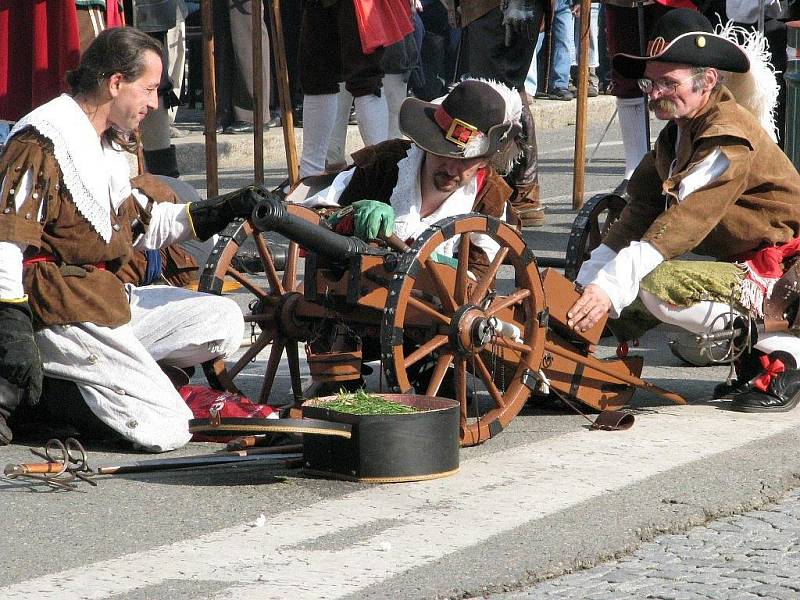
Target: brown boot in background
524	176
526	205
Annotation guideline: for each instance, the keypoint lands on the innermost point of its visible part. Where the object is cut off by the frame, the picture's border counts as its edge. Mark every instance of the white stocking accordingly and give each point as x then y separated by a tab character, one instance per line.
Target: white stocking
770	342
634	135
319	114
396	89
335	159
373	118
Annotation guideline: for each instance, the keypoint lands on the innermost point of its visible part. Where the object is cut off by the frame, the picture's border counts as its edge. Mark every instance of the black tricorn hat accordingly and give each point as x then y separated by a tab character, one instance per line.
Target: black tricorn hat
686	37
474	120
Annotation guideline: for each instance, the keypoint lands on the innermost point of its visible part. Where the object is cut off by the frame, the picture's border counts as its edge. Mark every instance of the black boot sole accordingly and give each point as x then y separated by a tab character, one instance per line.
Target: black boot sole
778	408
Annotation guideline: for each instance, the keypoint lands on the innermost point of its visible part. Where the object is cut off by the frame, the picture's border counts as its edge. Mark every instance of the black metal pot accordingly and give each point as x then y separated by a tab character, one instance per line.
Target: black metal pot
386	448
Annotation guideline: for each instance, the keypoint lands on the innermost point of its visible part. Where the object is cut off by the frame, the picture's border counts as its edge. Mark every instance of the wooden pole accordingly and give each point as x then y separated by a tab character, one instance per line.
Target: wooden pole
580	117
282	77
209	100
258	90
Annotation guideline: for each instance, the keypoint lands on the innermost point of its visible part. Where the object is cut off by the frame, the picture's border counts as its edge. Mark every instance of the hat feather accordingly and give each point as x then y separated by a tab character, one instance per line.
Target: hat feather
757	89
510	152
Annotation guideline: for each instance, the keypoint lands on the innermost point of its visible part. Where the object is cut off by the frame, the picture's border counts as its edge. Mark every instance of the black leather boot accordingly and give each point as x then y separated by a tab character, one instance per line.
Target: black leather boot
213	215
20	363
162	162
775	389
747	367
10	397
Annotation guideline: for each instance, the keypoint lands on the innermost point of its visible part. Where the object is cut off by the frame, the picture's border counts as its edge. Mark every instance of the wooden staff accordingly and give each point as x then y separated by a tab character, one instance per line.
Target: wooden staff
258	90
209	100
580	117
282	77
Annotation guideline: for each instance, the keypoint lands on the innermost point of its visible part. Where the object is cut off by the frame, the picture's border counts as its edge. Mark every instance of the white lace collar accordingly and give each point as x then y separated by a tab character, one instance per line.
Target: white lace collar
90	170
406	198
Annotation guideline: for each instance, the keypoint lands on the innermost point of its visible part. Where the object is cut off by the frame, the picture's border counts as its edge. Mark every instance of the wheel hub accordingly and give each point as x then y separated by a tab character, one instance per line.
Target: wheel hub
470	330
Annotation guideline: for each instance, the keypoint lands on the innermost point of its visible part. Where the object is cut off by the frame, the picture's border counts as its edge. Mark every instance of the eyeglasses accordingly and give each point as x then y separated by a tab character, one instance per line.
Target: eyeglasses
662	86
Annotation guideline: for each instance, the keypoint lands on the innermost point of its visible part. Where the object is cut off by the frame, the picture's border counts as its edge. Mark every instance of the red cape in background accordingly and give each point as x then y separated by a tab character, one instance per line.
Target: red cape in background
382	22
38	45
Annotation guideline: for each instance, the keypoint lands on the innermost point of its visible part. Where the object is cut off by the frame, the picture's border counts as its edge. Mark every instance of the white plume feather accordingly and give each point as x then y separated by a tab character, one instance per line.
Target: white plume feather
757	90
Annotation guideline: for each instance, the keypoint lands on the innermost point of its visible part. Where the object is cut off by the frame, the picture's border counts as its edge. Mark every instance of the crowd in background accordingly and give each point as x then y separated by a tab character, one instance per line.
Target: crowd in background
49	36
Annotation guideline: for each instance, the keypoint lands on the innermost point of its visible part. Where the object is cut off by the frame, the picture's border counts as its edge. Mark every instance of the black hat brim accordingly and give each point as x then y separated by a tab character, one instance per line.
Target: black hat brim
717	52
417	122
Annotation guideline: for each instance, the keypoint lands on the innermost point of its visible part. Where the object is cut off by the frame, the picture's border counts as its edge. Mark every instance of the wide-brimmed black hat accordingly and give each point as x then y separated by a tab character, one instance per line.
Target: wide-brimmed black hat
686	37
474	120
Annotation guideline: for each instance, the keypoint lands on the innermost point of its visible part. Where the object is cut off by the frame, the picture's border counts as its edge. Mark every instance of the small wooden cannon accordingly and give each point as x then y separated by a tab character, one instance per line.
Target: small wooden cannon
488	342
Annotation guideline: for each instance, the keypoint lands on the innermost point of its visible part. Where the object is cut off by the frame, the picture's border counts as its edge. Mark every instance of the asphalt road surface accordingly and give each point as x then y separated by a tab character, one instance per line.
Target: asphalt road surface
647	512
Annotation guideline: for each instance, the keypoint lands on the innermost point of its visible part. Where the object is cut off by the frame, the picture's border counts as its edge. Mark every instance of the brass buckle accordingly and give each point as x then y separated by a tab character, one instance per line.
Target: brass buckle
458	123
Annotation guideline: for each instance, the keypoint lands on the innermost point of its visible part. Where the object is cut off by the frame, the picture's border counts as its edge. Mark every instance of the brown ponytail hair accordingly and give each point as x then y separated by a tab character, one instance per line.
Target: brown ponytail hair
116	50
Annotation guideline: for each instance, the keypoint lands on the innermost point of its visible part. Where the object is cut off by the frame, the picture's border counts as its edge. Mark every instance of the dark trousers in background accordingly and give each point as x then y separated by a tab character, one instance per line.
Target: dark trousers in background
330	52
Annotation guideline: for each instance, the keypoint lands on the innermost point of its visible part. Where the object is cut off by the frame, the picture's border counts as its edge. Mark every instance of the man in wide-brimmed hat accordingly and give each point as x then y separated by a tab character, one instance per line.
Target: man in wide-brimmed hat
450	167
715	184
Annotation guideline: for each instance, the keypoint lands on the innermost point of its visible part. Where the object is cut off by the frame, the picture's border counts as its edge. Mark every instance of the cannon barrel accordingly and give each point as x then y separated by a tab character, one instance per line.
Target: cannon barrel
271	215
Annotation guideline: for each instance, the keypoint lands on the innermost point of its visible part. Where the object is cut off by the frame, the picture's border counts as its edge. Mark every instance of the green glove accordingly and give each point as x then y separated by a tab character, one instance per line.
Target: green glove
373	219
444	260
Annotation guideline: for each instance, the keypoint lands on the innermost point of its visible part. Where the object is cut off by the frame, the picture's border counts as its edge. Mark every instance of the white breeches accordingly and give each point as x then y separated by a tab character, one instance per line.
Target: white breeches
706	316
115	368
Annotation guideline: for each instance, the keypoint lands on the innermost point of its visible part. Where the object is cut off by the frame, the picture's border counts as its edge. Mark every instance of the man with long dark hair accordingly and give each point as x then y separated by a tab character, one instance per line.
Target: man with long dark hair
68	221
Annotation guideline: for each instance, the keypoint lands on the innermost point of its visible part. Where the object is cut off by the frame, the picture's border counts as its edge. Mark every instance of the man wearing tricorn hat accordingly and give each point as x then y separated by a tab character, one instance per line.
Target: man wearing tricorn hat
450	167
715	184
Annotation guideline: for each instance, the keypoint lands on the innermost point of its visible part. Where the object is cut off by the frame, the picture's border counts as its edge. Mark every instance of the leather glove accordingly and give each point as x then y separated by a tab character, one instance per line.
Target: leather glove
20	362
444	259
372	219
213	215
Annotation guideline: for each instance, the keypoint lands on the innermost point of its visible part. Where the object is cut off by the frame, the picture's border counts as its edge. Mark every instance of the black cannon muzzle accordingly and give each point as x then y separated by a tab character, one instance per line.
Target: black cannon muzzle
271	215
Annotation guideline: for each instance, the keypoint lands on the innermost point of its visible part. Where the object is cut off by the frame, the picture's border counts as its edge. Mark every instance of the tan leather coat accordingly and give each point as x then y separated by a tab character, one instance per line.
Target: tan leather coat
753	204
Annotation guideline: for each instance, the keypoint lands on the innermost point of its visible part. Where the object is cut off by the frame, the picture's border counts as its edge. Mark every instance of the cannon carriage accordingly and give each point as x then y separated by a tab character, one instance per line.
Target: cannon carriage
489	340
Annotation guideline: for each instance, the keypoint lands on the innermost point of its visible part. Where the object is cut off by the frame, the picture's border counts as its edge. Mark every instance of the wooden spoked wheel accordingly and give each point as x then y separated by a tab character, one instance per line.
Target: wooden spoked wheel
266	292
440	316
590	225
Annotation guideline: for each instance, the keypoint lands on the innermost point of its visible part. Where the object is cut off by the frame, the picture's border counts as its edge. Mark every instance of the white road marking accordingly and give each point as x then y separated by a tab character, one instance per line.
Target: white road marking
320	551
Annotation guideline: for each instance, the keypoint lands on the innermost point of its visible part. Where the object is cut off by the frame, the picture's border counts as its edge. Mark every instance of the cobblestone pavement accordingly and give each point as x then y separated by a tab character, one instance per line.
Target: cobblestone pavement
754	555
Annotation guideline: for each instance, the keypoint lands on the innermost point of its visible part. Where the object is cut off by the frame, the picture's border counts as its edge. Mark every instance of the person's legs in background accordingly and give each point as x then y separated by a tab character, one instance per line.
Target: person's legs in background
532	78
336	157
320	73
562	45
622	35
363	75
489	52
241	23
593	59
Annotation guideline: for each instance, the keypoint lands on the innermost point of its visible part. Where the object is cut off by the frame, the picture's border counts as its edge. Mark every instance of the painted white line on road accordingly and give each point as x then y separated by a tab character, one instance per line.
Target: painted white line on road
340	546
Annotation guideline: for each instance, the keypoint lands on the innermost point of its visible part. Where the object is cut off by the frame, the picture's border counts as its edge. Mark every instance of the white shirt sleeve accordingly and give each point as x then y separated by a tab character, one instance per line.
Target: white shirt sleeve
11	271
169	223
620	277
331	194
599	258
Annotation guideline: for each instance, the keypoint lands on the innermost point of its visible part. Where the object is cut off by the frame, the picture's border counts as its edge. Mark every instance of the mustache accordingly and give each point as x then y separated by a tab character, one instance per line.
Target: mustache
664	104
